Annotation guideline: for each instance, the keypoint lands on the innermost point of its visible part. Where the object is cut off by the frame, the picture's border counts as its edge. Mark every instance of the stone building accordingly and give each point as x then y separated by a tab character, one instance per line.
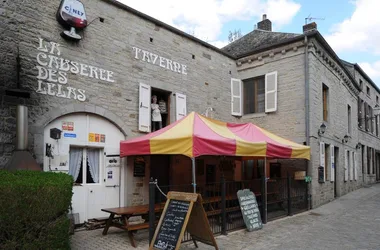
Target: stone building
317	103
97	91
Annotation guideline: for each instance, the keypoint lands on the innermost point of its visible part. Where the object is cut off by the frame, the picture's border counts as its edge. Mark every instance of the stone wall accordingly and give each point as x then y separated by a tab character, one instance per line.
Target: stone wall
109	46
289	119
368	138
324	70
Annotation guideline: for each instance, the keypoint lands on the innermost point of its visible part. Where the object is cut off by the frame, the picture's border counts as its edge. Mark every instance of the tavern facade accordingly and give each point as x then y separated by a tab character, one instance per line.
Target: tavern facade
98	91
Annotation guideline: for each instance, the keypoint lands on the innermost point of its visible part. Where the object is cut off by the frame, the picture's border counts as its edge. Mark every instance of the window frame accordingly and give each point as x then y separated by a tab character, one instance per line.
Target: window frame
84	161
247	97
325	102
349	117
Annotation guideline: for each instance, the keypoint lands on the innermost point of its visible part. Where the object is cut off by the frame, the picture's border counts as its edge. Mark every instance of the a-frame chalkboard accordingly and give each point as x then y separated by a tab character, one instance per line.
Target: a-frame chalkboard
182	211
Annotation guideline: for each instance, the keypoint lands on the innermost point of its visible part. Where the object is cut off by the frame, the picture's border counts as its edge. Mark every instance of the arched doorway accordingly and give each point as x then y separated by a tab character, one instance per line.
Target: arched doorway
88	149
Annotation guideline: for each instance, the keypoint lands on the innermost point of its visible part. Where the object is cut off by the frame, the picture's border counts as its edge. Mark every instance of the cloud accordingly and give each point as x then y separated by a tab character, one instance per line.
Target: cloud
372	70
360	32
205	18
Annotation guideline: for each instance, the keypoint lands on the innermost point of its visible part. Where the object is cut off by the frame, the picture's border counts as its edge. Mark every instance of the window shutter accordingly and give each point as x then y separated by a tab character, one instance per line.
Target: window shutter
345	165
355	167
322	157
271	92
352	166
332	167
144	108
180	101
236	97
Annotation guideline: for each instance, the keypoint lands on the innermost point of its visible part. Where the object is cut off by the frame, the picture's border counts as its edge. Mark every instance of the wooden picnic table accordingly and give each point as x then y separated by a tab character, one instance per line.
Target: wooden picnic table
127	212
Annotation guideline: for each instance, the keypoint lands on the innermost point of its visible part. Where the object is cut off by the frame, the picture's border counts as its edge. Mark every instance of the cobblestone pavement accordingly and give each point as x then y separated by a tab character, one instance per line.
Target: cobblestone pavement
350	222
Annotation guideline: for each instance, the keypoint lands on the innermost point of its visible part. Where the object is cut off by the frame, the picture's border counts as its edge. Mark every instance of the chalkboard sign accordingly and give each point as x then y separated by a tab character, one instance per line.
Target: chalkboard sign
172	224
182	211
249	210
139	167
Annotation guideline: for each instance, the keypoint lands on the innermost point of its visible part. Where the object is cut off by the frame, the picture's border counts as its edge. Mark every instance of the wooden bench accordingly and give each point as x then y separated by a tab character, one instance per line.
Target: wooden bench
124	213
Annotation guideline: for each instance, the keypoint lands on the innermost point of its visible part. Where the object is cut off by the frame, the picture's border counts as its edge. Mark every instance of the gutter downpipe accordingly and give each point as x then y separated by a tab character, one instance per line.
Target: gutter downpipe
307	117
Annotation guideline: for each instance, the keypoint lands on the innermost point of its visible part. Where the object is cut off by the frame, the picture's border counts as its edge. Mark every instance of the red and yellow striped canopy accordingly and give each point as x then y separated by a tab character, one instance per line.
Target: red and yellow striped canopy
196	135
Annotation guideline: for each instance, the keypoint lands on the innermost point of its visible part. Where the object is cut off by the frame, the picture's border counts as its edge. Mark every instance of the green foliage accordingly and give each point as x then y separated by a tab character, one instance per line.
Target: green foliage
33	210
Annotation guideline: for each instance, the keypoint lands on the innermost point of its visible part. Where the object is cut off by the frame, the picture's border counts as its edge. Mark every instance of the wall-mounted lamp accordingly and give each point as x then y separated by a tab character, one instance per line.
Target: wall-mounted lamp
322	129
359	145
345	139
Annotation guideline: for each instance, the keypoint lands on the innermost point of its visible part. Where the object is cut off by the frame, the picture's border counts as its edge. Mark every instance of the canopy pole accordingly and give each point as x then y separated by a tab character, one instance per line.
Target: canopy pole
265	205
194	180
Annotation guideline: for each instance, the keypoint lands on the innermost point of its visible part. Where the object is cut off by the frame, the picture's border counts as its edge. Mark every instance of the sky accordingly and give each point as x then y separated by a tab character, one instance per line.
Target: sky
351	27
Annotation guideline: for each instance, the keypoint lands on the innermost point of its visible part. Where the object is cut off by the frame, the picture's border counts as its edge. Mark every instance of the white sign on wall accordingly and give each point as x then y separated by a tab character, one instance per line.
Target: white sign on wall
161	61
53	72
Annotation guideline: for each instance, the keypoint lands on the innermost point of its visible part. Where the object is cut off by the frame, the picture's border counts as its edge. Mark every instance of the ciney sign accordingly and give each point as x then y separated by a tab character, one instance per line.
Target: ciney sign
53	72
72	13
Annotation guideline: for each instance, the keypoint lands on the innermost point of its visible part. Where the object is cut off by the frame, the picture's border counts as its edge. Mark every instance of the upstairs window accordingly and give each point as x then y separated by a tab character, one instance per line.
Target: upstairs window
377	99
325	95
368	91
349	119
360	112
361	83
254	95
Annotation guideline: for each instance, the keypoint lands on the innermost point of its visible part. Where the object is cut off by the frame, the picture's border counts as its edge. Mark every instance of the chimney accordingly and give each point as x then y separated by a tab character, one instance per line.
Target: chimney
309	27
21	158
265	24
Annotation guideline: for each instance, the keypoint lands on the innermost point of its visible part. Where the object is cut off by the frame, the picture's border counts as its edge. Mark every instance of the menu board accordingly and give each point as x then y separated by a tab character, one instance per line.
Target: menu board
172	224
249	210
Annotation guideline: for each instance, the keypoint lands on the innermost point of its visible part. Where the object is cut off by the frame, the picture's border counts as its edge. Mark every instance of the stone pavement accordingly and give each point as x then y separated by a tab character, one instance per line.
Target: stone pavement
350	222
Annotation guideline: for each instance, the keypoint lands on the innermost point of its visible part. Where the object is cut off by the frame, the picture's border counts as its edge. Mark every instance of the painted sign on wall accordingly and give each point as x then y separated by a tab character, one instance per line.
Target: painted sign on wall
53	72
161	61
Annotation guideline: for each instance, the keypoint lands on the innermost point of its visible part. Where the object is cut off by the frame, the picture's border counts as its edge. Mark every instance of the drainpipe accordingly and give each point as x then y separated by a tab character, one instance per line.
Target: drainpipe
307	114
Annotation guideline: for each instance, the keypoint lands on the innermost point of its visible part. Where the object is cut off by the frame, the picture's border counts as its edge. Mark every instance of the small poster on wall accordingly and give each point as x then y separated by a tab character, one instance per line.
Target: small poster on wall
67	126
93	137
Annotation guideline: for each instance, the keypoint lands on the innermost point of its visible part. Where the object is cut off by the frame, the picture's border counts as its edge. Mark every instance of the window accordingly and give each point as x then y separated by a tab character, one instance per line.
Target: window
252	169
377	99
370	119
84	165
373	161
368	91
254	95
369	154
363	150
325	91
149	121
377	125
366	116
327	156
360	112
348	166
349	119
361	83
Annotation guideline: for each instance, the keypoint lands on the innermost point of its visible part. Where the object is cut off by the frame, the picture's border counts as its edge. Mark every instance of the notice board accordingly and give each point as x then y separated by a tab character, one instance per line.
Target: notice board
249	210
182	211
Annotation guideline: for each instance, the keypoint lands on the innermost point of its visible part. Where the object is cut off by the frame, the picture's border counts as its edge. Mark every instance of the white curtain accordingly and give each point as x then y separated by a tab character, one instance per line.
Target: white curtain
93	162
76	155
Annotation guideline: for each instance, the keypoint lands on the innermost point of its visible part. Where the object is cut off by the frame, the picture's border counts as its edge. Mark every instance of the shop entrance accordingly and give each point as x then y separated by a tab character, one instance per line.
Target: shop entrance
159	169
88	149
336	172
